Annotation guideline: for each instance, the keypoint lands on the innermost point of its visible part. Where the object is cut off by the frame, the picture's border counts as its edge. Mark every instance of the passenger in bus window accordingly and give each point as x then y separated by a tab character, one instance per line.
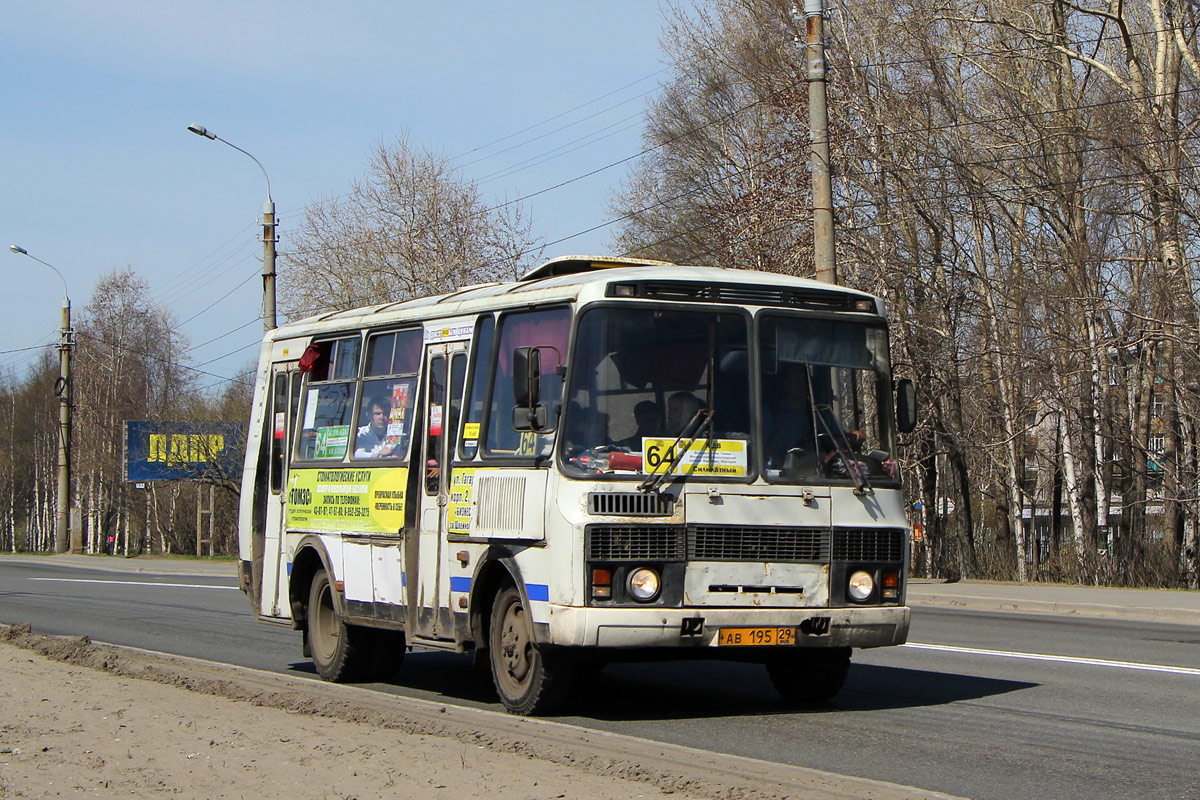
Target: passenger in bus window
681	409
371	441
649	420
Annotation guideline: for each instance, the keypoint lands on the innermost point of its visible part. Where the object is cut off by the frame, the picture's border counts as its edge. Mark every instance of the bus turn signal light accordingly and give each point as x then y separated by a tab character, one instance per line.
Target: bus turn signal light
891	585
602	583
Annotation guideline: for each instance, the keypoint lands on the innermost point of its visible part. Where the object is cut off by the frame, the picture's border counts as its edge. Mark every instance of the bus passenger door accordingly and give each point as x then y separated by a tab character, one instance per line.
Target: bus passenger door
269	550
445	369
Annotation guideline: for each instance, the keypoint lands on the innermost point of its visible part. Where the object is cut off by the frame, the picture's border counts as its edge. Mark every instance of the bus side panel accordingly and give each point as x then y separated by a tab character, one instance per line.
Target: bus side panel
387	580
357	573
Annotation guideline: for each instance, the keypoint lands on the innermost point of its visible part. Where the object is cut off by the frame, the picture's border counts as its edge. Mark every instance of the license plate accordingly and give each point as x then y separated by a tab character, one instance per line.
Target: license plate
755	637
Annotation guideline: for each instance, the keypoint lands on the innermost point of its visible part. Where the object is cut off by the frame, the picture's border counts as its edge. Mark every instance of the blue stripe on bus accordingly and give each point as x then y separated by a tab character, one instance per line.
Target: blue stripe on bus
538	591
460	584
289	569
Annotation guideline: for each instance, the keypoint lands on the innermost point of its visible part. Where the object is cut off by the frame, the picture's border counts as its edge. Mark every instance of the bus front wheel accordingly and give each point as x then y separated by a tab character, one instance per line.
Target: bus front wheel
809	675
340	652
528	680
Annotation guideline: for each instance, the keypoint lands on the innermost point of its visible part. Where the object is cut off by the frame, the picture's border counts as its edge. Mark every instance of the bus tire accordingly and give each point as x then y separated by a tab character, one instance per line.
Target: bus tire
809	675
340	652
530	681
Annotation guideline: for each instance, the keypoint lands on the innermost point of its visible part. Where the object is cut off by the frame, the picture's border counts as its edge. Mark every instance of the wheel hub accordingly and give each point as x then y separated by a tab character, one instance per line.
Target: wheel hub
514	644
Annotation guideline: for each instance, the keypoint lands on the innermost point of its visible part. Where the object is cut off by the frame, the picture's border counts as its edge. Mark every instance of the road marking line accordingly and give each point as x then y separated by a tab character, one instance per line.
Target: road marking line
137	583
1094	662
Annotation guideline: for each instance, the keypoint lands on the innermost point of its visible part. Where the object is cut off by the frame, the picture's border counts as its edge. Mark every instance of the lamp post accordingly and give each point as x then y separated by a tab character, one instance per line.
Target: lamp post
64	538
268	232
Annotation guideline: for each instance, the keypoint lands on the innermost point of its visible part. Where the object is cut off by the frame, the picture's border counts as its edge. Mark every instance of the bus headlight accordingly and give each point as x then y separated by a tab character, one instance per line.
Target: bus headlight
644	584
860	586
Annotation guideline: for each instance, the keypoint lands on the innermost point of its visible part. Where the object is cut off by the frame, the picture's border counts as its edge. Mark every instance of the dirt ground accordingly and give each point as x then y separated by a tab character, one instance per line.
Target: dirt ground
79	719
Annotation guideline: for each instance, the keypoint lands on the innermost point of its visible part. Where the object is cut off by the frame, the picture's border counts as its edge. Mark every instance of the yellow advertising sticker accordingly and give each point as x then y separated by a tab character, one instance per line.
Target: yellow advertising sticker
347	500
462	503
726	457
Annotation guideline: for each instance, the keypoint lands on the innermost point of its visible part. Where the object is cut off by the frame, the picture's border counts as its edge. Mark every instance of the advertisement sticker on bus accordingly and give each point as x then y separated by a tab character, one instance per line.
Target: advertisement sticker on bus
725	457
347	500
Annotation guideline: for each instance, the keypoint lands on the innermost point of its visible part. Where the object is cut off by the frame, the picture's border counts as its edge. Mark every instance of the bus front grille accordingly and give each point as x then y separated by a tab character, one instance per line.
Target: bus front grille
742	543
629	542
630	504
747	543
871	544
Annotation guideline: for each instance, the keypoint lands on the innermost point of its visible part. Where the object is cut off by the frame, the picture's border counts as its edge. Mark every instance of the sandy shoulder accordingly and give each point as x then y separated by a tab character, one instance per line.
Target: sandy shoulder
78	719
78	732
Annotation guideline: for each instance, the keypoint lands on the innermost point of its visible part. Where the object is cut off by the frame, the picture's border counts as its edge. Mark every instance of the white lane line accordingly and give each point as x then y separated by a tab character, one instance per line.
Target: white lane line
1094	662
137	583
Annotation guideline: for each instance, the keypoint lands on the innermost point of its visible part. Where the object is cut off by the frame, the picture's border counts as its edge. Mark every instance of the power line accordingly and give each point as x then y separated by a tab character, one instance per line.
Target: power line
255	321
565	127
337	200
219	299
159	359
568	111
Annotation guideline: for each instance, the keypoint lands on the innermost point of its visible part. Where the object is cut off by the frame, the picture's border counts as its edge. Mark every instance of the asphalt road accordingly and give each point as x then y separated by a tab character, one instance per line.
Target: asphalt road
984	705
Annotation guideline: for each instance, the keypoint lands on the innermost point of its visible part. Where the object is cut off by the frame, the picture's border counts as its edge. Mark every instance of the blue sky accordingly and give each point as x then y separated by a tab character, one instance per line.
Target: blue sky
99	172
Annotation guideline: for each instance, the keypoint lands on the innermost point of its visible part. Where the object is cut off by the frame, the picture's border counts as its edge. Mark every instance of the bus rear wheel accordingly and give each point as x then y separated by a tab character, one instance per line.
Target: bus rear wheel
809	675
340	652
528	680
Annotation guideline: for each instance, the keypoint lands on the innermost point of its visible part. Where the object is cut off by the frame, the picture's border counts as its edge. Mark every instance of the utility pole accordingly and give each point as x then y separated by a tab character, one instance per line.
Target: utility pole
824	256
64	538
268	270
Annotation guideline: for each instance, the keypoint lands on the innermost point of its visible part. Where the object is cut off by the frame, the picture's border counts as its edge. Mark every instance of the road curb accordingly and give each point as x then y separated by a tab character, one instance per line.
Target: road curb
152	565
965	602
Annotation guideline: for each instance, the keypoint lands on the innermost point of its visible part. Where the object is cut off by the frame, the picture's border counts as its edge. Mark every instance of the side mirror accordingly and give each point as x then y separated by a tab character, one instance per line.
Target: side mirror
906	406
530	419
527	376
528	413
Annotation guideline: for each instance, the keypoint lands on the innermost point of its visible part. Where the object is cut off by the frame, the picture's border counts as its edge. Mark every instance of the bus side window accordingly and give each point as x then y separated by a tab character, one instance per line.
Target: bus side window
279	408
547	328
477	386
458	365
434	423
385	413
328	404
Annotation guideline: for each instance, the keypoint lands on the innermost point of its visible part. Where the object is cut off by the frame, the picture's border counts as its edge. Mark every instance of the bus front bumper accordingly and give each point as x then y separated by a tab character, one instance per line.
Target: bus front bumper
878	626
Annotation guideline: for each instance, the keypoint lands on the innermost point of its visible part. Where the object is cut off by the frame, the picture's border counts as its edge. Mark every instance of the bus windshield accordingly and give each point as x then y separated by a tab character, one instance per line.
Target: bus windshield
656	389
826	405
644	377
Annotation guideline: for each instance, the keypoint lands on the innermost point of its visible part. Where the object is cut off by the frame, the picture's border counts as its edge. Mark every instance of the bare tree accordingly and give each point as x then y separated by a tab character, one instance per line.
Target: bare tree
410	226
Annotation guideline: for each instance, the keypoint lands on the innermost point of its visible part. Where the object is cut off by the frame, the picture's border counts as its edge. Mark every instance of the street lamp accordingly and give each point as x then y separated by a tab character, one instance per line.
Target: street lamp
268	234
64	539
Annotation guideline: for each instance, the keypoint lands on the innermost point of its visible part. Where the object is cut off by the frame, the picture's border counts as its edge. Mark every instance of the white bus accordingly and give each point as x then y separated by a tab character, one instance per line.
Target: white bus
605	460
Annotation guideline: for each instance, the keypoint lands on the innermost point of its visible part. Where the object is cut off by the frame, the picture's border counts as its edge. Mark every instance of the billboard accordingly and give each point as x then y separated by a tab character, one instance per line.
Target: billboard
181	451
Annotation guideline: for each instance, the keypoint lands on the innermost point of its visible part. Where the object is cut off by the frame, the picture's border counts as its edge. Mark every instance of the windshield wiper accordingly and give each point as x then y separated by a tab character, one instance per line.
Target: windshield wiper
702	416
862	484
